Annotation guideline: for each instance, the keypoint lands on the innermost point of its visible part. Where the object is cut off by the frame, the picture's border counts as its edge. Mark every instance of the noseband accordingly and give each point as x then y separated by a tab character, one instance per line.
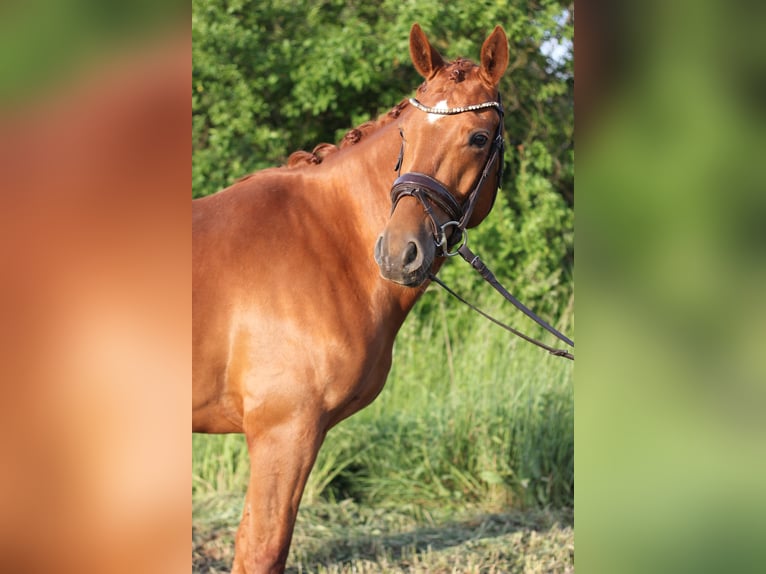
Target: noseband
431	192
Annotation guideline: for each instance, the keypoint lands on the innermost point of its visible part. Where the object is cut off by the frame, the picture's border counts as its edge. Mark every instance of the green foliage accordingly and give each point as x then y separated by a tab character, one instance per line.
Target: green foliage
273	77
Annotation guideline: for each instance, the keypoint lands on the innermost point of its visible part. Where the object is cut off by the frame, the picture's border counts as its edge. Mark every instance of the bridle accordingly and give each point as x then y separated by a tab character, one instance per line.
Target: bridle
431	192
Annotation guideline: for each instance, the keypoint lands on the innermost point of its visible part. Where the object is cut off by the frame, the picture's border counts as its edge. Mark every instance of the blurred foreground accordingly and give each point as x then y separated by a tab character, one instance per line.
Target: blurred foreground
94	300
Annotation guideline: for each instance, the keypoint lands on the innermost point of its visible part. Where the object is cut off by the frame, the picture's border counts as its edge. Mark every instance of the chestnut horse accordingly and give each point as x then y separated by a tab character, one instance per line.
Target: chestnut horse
303	275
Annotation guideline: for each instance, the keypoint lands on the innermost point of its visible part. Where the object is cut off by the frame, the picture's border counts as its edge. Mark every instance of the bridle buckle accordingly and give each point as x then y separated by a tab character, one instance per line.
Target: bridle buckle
450	248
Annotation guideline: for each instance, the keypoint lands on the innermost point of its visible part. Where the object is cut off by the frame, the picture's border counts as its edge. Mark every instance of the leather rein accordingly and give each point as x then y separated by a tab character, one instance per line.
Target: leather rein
431	192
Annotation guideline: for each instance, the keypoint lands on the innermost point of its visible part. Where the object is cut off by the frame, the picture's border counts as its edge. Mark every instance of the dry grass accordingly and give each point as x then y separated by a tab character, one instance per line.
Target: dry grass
346	538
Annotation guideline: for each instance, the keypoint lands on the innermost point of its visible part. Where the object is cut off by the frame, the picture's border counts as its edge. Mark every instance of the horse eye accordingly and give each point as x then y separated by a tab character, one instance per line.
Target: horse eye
479	140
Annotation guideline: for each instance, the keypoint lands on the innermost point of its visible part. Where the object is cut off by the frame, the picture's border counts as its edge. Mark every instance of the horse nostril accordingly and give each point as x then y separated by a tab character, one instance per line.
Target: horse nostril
410	254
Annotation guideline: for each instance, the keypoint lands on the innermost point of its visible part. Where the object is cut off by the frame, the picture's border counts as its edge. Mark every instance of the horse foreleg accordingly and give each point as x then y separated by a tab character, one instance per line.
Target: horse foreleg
281	459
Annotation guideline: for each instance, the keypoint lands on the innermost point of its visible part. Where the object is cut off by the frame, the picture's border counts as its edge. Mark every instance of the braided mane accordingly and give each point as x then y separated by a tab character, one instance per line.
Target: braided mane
321	151
456	71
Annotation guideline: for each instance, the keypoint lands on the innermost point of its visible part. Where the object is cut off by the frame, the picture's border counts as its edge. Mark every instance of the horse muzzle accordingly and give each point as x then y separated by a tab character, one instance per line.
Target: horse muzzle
404	258
406	249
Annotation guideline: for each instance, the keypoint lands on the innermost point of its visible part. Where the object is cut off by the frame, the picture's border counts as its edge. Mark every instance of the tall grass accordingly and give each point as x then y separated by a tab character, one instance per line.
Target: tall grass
469	414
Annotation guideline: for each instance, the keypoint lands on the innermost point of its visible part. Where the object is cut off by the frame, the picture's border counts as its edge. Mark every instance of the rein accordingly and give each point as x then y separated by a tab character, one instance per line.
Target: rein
551	350
427	189
490	278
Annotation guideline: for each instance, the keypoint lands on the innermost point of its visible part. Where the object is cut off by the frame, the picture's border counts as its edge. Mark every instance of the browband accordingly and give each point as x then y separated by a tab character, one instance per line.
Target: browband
456	110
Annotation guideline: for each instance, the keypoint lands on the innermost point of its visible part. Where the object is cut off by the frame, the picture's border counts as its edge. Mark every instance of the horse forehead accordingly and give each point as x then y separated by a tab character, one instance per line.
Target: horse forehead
457	82
436	117
449	94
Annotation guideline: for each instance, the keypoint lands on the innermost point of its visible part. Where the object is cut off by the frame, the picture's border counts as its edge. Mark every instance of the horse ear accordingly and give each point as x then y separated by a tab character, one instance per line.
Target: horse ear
425	57
494	56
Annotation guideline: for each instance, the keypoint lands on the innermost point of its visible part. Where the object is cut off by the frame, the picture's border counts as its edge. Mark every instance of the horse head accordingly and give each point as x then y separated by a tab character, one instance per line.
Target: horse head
451	156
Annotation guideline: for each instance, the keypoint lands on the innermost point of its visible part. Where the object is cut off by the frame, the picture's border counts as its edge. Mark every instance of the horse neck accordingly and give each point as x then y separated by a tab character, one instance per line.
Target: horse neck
367	168
364	173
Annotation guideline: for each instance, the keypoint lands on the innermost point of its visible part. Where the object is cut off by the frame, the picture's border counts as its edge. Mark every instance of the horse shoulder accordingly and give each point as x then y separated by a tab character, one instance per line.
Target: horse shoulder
281	296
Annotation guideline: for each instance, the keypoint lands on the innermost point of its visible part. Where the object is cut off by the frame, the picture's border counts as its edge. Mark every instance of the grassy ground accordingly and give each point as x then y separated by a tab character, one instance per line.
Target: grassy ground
447	471
346	538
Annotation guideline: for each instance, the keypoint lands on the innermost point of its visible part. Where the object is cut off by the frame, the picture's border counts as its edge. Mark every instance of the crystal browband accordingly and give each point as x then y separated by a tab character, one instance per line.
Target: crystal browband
456	110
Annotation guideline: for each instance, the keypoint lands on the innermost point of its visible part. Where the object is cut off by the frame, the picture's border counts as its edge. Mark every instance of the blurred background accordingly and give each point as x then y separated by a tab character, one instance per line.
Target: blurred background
670	380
